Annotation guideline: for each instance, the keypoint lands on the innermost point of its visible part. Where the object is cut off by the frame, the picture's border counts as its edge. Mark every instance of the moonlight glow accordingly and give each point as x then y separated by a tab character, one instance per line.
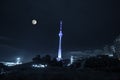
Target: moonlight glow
34	22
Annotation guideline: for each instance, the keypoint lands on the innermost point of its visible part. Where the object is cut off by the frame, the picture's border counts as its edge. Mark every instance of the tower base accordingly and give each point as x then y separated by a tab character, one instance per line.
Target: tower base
59	59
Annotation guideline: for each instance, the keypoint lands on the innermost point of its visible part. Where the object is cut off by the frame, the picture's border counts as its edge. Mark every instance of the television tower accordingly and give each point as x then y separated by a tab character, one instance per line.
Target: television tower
60	41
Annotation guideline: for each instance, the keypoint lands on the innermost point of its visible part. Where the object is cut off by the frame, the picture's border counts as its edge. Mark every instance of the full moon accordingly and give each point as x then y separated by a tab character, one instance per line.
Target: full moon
34	22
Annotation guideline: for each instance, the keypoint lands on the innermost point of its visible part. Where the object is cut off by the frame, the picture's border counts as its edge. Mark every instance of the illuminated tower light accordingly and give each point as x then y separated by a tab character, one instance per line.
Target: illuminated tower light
60	41
71	61
18	60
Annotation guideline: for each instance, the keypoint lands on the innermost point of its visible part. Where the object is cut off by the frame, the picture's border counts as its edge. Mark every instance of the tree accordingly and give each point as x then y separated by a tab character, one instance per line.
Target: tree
2	65
47	58
54	62
37	58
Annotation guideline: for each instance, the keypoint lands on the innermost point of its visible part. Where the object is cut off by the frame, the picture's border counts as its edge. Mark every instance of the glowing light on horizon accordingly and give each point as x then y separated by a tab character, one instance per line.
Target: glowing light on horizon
18	62
9	63
110	55
39	65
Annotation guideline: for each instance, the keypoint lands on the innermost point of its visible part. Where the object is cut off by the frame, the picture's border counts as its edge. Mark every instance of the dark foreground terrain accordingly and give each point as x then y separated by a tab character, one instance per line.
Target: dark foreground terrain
59	74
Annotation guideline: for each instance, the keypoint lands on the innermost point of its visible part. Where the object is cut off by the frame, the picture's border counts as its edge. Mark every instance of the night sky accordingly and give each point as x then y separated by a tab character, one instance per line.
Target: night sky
86	24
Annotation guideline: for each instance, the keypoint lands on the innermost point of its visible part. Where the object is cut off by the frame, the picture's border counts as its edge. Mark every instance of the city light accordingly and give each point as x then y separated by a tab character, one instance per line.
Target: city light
110	55
9	63
18	62
39	65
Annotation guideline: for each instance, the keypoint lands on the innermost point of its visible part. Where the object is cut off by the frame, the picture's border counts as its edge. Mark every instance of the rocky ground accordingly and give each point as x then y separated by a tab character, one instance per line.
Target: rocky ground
59	74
